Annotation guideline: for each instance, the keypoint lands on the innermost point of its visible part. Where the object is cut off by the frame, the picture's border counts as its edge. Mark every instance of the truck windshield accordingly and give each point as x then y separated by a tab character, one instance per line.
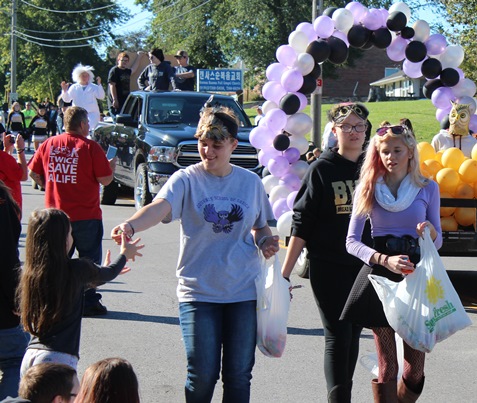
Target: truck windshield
186	110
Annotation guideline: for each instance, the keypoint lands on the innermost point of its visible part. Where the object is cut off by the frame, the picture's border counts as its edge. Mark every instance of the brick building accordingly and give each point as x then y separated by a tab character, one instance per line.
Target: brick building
369	68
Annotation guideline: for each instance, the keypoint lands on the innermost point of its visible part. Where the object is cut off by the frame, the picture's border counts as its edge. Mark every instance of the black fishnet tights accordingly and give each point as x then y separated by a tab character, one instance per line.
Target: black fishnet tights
413	371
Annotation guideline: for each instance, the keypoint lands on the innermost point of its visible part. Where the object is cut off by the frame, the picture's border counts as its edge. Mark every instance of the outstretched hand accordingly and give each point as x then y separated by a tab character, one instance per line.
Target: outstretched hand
130	248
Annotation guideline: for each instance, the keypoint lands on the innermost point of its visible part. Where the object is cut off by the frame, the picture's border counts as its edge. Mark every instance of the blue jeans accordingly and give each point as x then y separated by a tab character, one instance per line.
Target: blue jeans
88	241
213	333
13	343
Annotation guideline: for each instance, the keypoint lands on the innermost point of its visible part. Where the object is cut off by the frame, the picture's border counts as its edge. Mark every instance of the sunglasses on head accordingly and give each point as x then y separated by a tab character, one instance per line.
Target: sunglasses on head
343	111
394	129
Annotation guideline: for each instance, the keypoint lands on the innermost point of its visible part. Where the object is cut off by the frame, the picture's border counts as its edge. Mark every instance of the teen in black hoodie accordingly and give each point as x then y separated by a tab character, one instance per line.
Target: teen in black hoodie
321	217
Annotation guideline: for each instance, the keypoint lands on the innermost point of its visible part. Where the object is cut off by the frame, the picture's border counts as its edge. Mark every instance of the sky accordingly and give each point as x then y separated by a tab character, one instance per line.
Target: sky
140	18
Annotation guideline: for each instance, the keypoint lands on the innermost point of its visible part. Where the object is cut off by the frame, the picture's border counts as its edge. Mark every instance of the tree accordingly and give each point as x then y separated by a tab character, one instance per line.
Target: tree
50	44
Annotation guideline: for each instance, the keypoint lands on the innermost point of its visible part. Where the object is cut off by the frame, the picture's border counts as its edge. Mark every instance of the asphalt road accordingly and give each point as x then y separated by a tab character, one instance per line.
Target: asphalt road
142	326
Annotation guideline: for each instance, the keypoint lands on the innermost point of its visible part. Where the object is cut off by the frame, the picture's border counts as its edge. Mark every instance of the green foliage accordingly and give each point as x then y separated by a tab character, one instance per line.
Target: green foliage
421	113
45	53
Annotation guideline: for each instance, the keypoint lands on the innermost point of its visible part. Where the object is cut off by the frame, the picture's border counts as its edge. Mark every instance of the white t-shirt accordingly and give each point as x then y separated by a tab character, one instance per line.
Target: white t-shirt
218	259
444	140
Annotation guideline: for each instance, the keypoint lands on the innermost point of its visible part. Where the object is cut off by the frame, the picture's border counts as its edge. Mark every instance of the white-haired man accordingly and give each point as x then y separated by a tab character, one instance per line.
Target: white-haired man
84	92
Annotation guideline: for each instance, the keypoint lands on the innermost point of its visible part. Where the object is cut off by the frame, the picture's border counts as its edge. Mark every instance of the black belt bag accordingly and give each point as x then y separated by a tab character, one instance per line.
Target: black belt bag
406	245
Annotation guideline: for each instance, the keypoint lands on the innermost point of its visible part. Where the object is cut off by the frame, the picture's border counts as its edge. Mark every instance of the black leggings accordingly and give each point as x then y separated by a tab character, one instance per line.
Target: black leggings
331	286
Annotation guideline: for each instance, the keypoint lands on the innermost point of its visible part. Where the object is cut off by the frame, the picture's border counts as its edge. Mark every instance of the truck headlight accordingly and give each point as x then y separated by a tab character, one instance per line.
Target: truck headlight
162	154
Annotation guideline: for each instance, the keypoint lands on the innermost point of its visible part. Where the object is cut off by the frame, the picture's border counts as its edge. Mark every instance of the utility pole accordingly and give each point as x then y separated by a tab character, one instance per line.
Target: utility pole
13	51
315	99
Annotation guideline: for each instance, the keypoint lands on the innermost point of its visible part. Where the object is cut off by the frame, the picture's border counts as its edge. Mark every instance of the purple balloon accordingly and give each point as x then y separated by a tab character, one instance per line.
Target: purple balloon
357	9
261	137
275	120
278	166
275	71
286	55
291	199
473	123
291	154
324	26
308	29
442	113
461	73
291	181
412	70
396	51
342	36
280	207
266	154
373	19
292	80
435	44
442	96
273	91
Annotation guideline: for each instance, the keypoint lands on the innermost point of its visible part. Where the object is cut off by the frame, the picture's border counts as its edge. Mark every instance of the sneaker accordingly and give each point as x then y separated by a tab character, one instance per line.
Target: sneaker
98	309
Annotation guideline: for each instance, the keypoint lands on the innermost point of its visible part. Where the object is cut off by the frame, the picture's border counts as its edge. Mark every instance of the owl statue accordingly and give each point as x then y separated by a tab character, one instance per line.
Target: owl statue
459	119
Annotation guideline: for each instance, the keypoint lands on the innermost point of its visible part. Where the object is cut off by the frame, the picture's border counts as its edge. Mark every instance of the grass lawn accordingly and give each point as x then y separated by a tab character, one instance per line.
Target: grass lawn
420	112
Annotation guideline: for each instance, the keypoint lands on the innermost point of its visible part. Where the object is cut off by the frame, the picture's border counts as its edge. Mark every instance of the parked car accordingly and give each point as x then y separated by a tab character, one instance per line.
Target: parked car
154	137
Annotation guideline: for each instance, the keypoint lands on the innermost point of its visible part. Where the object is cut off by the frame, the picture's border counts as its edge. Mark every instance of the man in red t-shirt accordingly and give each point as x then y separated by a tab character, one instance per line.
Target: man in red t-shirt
71	168
11	171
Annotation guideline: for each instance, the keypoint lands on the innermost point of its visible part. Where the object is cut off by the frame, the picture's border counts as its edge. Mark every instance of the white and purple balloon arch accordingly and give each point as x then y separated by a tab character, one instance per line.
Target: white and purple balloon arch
280	135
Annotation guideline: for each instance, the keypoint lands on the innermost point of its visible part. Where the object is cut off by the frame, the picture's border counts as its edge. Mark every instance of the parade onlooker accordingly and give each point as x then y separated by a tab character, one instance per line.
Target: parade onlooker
28	112
224	208
111	380
13	340
13	172
62	105
39	127
84	92
158	75
320	222
70	165
400	203
259	116
184	74
16	120
51	288
119	79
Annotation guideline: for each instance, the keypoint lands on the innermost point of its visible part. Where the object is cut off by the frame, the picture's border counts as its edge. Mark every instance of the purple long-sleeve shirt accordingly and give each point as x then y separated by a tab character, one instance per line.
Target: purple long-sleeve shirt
426	206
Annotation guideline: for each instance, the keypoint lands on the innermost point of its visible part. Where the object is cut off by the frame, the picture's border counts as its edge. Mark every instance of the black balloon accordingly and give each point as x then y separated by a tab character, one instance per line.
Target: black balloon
329	11
290	104
381	38
450	77
281	142
445	123
430	87
309	84
339	50
407	33
320	50
416	51
358	36
396	21
316	72
431	68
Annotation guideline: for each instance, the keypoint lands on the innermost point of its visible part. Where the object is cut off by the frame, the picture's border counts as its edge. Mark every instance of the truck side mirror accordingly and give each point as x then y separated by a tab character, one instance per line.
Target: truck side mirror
126	120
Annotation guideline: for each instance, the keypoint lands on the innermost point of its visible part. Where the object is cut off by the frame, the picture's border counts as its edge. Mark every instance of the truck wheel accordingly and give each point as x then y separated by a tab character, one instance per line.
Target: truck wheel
302	266
109	194
142	196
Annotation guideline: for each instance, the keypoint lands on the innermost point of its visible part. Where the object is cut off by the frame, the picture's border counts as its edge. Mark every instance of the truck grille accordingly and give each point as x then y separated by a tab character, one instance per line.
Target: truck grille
245	155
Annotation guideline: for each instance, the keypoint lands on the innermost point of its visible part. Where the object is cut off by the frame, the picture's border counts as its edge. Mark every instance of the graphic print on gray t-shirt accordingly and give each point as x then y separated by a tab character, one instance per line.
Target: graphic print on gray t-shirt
222	220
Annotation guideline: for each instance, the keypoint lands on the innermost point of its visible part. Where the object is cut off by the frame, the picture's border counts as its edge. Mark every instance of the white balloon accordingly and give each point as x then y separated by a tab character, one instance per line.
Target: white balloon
299	168
268	106
278	192
402	7
305	63
465	87
343	19
284	223
300	143
469	101
453	56
269	182
299	124
421	30
298	40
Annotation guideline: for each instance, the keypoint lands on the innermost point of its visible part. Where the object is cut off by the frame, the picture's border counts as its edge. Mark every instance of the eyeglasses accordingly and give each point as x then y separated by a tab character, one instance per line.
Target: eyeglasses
394	129
342	111
359	128
124	60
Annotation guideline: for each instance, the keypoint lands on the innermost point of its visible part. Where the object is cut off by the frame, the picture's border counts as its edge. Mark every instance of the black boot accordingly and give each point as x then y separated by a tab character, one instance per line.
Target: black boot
340	394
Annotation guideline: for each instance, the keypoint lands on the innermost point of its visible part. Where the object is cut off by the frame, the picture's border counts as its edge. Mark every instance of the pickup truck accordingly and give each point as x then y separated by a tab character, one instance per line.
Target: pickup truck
154	137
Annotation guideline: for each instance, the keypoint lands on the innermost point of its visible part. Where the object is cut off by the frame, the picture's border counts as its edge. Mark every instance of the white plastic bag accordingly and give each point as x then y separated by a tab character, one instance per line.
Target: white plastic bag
273	303
424	308
370	361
